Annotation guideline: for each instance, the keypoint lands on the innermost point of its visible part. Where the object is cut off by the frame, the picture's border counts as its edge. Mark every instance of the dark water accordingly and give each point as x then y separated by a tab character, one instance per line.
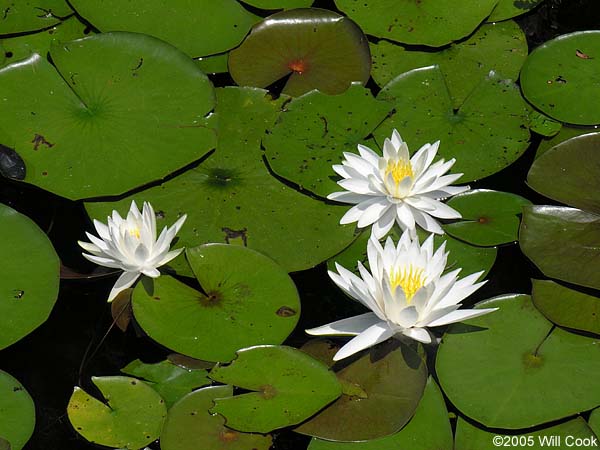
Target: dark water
71	346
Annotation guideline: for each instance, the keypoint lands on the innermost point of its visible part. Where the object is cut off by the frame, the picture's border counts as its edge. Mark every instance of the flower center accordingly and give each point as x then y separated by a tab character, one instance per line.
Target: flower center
410	279
134	232
399	169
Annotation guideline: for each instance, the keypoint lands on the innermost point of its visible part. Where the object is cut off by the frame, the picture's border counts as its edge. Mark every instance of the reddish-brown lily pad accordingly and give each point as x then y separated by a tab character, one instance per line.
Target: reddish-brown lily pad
317	49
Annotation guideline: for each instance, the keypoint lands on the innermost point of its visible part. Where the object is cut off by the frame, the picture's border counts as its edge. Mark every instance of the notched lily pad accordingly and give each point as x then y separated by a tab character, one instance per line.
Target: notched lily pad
426	22
20	16
246	299
198	28
316	48
86	128
29	276
17	413
169	380
507	9
501	47
563	243
314	130
542	376
569	172
189	425
132	416
489	218
233	198
289	389
567	307
370	386
562	78
564	133
487	133
428	429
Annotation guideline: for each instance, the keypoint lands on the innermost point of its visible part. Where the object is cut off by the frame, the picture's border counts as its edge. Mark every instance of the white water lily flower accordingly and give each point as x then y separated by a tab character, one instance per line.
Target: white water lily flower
131	245
395	187
406	291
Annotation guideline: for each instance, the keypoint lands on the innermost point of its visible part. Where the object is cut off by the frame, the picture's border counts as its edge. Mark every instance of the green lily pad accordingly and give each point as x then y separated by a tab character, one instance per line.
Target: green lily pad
487	133
489	218
564	436
507	9
198	28
568	173
169	380
428	429
232	197
247	299
21	47
541	376
543	125
317	48
567	307
594	421
562	78
87	128
468	257
565	133
213	63
501	47
20	16
132	416
563	243
290	388
313	132
427	22
17	412
279	4
29	277
189	426
373	382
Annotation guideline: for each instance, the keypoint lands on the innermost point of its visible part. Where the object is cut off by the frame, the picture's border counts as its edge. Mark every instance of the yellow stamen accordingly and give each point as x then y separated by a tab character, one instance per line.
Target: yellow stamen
134	232
399	169
410	279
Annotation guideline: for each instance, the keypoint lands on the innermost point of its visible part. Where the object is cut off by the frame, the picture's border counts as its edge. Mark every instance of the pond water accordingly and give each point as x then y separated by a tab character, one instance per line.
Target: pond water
77	341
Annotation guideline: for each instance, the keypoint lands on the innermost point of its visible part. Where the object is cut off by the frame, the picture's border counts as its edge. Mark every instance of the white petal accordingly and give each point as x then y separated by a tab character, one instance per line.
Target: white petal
123	282
418	334
356	212
103	261
89	247
396	138
357	185
102	230
352	326
361	165
427	222
459	315
384	224
369	155
169	256
152	272
406	219
347	197
371	336
374	212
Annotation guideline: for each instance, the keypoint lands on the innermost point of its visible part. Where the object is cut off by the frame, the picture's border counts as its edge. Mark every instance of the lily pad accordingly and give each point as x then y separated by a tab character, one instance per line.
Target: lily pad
21	47
559	437
20	16
279	4
489	218
567	307
563	243
17	412
487	133
594	421
289	389
507	9
565	133
562	78
316	48
232	197
568	173
542	376
543	125
87	128
371	386
427	22
313	132
247	299
131	418
501	47
169	380
213	63
197	27
29	276
428	429
189	426
468	257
